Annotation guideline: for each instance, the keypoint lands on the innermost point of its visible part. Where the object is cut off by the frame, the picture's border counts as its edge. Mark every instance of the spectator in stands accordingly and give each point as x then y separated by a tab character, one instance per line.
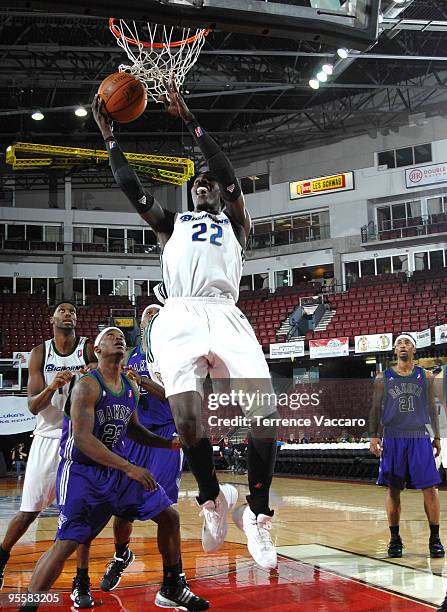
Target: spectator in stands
304	440
227	452
18	458
291	439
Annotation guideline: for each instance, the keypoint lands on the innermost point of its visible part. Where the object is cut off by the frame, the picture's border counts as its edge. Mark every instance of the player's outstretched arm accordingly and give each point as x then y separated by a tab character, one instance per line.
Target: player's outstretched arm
217	161
138	433
160	220
39	394
374	415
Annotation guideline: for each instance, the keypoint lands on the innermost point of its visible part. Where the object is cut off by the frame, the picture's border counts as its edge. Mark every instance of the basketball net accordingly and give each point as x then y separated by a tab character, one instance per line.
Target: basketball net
159	58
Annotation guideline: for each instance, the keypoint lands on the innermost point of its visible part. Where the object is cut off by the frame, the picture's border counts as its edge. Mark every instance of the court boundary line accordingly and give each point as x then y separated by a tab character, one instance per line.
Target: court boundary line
388	561
359	580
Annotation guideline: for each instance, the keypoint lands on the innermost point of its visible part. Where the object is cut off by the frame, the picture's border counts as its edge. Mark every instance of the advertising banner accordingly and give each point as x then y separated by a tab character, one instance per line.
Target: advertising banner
373	343
321	185
15	416
328	347
287	349
440	334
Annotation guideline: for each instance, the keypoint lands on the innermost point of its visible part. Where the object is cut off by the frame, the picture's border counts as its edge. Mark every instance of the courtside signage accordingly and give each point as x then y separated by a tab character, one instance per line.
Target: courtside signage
322	185
373	343
328	347
23	357
423	338
426	175
287	349
440	334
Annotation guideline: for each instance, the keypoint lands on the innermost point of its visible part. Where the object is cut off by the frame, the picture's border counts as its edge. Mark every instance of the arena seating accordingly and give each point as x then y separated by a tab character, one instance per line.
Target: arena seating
388	304
344	461
267	311
376	304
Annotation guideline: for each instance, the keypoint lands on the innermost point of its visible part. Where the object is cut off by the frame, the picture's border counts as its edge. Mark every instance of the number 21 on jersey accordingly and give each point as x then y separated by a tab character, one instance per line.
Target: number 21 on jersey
201	234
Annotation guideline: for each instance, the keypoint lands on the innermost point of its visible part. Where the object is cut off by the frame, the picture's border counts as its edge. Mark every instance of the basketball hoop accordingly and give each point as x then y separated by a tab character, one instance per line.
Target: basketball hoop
161	57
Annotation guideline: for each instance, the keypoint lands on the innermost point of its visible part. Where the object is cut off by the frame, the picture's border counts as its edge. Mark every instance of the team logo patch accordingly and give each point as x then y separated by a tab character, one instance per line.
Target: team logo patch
142	200
199	132
61	520
231	188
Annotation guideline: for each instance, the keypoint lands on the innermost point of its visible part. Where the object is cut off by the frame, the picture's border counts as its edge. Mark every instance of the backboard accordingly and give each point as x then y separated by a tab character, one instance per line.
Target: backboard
339	23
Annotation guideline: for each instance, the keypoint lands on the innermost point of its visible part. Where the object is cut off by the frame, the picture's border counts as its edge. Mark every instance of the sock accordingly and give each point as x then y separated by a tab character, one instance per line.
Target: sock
394	531
121	550
201	463
4	554
261	457
180	565
171	574
82	573
434	532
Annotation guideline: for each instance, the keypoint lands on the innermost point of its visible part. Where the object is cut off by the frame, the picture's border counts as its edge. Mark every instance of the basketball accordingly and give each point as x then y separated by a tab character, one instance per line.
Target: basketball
124	96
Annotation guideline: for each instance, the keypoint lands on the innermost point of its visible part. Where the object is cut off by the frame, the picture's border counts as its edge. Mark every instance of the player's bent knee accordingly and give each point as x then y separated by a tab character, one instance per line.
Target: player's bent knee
64	548
26	518
169	518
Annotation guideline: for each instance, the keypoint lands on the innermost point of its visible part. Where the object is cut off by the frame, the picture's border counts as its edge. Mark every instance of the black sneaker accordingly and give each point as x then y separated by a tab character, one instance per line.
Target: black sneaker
80	593
436	548
3	563
395	548
180	596
114	570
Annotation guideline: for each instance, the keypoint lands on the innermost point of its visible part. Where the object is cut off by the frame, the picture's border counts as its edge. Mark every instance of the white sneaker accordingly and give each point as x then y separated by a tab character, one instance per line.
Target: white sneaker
214	515
257	530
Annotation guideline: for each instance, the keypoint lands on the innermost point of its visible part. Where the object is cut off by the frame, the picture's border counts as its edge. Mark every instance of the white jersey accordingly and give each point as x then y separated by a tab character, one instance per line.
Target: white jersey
49	420
202	258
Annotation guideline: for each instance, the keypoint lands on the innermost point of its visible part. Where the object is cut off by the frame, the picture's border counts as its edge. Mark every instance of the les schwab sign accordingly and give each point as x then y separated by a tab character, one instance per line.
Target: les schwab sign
322	185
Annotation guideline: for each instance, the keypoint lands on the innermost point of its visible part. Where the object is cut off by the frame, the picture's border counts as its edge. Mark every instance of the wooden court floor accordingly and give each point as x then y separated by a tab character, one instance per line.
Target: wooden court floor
331	538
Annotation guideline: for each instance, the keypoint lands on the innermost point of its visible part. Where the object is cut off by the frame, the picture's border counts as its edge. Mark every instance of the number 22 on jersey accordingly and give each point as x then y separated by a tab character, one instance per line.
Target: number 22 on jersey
201	234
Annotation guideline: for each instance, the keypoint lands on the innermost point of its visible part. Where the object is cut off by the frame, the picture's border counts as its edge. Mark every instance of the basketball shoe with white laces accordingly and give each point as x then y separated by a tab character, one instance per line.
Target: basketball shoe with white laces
257	530
215	515
180	597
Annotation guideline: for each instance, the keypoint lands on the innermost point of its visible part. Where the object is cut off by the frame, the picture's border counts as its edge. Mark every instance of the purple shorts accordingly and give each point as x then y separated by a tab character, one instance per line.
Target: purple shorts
408	461
89	495
165	465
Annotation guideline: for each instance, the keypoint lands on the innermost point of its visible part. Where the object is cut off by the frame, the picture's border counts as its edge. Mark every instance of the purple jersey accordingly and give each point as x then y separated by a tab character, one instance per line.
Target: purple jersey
152	412
405	405
112	415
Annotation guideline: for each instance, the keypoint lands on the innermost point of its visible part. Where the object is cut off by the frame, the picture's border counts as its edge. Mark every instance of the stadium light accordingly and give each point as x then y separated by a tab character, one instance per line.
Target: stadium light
37	115
322	76
80	112
314	83
328	69
342	53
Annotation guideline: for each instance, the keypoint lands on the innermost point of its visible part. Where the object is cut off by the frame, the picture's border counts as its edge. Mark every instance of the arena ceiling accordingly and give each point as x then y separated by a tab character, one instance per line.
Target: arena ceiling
250	92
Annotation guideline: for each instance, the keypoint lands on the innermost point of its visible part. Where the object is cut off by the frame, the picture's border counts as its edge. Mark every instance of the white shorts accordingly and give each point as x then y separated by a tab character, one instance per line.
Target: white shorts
39	487
192	337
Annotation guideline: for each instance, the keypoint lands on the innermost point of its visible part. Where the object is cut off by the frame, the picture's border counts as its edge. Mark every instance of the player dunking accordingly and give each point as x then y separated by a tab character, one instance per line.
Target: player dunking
201	331
155	414
404	403
94	482
53	368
